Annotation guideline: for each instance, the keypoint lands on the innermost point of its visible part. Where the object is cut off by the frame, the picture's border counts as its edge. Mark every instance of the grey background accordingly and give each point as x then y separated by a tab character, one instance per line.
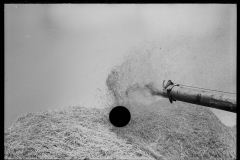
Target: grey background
60	55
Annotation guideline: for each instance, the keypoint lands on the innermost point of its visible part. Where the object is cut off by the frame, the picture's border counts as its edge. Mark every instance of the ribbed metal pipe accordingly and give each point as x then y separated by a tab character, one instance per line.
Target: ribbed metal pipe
214	99
208	98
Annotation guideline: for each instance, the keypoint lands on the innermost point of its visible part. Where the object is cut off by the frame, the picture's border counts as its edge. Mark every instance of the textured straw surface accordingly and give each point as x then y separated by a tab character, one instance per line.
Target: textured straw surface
72	133
180	131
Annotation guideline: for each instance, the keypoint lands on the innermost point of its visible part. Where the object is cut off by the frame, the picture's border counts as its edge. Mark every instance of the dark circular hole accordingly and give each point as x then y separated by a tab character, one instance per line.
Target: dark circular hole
119	116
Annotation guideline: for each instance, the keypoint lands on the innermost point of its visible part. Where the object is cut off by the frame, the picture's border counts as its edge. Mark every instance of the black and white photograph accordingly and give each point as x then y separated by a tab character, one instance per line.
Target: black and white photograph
120	81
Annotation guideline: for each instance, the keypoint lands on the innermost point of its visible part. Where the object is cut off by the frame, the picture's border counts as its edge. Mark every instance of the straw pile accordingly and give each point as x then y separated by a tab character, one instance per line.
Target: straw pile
72	133
173	131
180	131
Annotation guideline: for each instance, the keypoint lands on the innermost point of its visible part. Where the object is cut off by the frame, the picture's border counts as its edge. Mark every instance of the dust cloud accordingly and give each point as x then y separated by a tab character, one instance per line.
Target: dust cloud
129	81
150	64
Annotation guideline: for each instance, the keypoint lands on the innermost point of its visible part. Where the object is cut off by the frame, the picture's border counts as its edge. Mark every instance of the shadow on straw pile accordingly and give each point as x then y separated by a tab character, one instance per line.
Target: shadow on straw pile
179	131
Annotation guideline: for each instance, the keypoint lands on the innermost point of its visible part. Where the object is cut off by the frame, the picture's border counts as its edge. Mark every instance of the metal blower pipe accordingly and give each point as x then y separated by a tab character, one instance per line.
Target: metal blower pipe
213	99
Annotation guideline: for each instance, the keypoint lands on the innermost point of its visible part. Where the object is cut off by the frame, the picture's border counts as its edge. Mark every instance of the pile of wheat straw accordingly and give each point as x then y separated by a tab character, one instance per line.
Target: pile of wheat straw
72	133
179	131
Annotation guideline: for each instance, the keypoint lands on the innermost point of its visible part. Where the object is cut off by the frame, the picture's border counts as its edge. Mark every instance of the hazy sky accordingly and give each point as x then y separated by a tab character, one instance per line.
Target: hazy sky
60	55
